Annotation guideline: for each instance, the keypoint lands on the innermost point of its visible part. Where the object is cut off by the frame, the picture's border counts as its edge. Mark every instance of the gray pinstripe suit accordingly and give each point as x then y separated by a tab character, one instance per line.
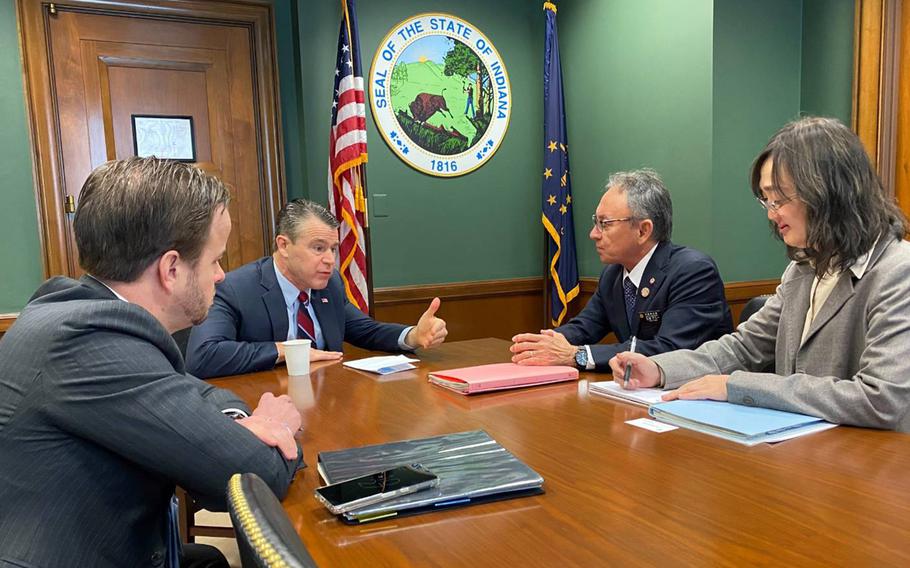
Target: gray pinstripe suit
98	422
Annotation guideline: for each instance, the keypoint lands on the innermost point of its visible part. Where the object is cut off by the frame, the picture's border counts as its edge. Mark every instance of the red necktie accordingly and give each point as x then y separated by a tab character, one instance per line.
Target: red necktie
304	321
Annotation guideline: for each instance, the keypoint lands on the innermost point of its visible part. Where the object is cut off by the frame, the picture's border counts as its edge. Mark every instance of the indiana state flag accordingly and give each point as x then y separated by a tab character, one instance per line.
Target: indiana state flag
556	188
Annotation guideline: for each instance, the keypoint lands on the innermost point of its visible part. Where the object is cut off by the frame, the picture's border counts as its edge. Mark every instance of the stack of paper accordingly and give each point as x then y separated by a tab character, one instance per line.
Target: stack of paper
383	365
498	376
641	397
747	425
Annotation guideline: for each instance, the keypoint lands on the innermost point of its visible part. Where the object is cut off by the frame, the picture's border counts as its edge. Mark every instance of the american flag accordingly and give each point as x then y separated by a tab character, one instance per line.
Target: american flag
347	159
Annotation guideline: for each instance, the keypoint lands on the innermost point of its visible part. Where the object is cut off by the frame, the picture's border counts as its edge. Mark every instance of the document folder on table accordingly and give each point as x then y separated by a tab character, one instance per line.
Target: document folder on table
747	425
472	468
499	376
641	397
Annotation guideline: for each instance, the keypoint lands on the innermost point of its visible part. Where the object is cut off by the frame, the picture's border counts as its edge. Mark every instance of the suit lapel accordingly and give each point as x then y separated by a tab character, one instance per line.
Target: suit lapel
796	293
651	281
273	299
324	308
843	291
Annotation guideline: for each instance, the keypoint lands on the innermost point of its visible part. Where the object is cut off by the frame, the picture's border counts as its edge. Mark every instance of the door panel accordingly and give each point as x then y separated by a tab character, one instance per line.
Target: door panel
105	68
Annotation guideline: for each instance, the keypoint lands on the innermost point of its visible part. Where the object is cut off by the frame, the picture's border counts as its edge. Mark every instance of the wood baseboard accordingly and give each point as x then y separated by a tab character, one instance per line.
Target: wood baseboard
502	308
6	320
495	308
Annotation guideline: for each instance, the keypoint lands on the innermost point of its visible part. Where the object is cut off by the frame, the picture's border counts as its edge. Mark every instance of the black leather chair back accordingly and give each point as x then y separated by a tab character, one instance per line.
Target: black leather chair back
752	307
265	536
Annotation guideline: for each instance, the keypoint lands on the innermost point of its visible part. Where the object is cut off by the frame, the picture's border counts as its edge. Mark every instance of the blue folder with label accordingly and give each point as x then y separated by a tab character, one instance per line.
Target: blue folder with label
747	425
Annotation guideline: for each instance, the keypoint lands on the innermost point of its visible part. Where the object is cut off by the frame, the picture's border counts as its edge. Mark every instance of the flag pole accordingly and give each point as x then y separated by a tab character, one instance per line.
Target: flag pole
371	297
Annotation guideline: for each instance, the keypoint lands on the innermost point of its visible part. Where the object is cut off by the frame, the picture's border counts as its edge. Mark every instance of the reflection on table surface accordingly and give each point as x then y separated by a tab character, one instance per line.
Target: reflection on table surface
615	494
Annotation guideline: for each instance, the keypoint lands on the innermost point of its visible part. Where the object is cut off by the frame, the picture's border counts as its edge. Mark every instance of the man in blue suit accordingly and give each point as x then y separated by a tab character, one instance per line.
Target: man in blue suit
667	296
294	294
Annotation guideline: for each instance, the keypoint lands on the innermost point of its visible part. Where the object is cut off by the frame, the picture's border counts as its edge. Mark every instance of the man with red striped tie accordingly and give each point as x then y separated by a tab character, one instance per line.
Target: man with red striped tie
296	293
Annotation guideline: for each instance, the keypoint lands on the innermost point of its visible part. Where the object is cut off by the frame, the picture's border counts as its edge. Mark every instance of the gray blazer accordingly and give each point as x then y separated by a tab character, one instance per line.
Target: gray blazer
854	366
98	422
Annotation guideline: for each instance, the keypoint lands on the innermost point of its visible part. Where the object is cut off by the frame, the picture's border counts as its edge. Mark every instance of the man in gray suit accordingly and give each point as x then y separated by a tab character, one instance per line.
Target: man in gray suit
837	328
98	420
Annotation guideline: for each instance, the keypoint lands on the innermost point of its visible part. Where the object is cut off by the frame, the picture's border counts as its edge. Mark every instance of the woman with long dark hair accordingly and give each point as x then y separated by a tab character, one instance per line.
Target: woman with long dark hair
836	333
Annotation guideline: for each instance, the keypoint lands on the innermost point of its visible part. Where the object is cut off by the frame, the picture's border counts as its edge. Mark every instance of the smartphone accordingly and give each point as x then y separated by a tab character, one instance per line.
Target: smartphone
376	487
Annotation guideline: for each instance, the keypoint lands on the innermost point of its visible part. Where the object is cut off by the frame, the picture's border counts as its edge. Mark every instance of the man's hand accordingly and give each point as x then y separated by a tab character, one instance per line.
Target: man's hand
710	387
547	348
275	421
320	355
645	372
430	330
280	347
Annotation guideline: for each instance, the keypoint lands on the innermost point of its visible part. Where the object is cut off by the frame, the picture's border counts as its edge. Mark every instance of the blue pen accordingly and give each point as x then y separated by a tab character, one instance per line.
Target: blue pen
628	373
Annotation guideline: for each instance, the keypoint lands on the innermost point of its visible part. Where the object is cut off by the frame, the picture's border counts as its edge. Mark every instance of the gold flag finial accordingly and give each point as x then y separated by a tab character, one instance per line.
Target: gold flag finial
549	6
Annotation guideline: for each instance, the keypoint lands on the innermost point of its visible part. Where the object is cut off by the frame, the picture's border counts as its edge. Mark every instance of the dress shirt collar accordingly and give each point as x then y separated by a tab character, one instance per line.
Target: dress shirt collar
288	290
862	263
639	269
114	292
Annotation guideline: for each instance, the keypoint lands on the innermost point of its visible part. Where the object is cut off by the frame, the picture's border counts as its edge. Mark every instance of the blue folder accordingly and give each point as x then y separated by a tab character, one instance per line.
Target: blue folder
745	424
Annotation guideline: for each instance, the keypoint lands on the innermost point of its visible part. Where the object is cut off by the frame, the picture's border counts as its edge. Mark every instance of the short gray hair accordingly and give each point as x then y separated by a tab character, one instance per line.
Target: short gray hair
648	198
299	210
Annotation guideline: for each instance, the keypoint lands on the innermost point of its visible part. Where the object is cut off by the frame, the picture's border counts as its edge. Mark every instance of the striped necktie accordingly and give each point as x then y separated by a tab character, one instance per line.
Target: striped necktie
304	322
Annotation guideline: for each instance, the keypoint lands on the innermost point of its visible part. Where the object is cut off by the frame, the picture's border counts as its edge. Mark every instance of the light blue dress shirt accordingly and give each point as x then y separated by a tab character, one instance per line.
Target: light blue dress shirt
291	300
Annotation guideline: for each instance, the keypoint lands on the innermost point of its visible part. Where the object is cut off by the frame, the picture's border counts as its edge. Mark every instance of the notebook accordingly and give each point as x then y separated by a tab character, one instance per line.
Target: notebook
747	425
499	376
641	397
472	468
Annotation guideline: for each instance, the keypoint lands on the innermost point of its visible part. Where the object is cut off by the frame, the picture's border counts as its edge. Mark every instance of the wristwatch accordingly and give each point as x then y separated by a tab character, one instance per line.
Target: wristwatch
581	357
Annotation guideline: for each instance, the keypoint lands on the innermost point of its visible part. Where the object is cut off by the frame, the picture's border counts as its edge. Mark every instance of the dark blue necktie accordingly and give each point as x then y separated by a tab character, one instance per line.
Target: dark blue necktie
628	292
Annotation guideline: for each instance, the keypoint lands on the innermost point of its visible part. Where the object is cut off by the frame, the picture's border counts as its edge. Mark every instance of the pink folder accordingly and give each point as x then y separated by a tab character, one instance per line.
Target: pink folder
482	378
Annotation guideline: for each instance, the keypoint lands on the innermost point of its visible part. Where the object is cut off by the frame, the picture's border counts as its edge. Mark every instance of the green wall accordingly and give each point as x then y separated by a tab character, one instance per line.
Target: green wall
20	248
691	88
638	93
827	59
756	90
484	225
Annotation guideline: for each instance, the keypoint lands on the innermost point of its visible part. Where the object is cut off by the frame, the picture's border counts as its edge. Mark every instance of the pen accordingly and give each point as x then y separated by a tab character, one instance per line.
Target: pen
628	373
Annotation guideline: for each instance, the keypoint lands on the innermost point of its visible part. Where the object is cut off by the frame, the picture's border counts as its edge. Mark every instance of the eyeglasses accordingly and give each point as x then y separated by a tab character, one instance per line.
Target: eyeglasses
602	224
774	205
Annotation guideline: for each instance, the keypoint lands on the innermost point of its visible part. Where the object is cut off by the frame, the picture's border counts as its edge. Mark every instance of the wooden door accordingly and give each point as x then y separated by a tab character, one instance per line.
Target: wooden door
106	67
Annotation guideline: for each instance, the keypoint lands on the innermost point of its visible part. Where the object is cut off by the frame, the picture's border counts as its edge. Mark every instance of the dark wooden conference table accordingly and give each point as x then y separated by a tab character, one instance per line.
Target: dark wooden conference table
615	494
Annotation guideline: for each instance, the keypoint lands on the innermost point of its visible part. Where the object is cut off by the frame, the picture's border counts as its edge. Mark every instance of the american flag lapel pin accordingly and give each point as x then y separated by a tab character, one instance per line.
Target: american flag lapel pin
325	300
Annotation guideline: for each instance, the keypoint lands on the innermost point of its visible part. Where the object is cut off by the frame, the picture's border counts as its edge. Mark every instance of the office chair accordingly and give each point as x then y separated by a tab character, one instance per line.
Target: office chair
265	536
752	307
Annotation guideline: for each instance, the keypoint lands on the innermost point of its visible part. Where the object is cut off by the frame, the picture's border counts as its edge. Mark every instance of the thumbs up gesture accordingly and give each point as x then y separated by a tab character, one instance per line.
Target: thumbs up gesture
430	330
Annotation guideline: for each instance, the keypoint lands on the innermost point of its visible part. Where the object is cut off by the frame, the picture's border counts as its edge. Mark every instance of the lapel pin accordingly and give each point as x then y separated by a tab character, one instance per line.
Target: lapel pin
325	300
645	292
651	281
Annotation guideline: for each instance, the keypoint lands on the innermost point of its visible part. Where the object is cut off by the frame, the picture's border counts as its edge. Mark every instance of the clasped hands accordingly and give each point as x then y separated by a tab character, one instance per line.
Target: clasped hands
275	422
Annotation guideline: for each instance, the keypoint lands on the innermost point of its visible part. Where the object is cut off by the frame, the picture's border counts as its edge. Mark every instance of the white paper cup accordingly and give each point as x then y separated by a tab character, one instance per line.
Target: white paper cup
297	355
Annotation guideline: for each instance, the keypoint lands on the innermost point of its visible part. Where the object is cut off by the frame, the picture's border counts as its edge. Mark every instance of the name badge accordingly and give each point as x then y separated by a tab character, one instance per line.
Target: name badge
650	316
